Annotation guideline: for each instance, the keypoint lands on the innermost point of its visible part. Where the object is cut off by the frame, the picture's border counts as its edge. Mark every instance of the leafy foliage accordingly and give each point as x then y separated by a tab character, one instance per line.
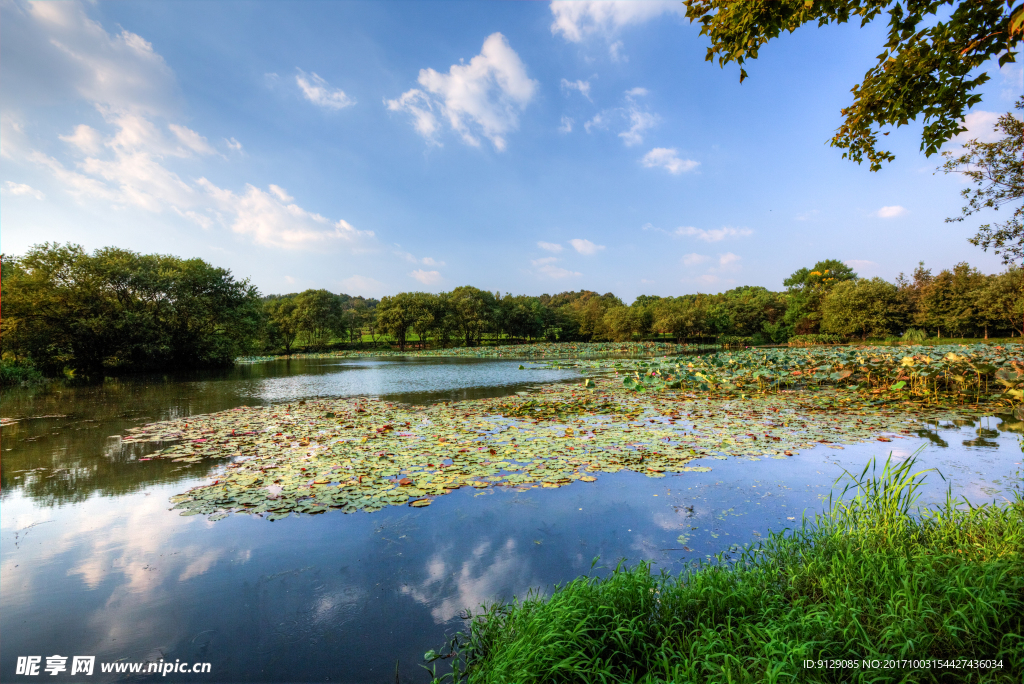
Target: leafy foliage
930	59
997	171
114	309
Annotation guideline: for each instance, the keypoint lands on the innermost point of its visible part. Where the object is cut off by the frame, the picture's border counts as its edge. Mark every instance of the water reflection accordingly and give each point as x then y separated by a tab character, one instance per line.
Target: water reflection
63	445
347	597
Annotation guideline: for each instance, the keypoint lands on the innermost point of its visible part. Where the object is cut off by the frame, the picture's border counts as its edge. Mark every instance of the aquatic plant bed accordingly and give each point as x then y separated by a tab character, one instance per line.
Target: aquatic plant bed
949	375
506	351
870	591
364	454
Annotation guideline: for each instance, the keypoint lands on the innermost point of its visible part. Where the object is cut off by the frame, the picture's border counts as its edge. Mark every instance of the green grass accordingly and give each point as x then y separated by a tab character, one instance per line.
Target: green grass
873	578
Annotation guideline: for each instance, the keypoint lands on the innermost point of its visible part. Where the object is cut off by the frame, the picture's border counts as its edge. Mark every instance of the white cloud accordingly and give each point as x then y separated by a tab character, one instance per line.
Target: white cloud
131	87
319	93
585	246
639	120
20	189
426	277
550	246
694	259
668	159
86	138
715	234
728	259
191	139
615	52
233	144
890	212
546	267
579	19
861	264
362	286
807	215
598	121
54	48
1013	79
289	279
268	220
582	86
483	97
566	126
280	193
428	261
980	126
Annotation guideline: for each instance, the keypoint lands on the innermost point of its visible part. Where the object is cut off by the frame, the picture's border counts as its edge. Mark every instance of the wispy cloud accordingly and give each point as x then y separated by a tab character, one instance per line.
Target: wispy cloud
715	234
566	126
728	259
576	20
861	264
317	91
890	212
694	259
583	87
426	277
807	215
20	189
483	97
585	246
546	267
668	159
550	246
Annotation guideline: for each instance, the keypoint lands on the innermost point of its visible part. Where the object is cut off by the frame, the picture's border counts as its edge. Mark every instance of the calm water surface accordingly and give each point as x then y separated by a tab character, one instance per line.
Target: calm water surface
93	562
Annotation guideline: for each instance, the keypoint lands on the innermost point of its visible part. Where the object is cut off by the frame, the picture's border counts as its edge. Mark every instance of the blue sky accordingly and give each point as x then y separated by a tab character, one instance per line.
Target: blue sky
524	147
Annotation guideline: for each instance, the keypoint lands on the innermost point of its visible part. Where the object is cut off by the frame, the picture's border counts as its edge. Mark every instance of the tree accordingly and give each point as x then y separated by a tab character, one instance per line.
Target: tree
1000	299
473	309
863	307
949	302
114	309
928	66
395	315
319	316
807	289
997	171
282	323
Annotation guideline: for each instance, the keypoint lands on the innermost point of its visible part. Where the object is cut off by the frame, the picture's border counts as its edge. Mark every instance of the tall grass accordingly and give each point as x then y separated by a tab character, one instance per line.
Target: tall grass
872	578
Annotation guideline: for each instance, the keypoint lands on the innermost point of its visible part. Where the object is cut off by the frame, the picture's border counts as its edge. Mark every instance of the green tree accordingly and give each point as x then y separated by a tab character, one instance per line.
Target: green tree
863	307
319	316
118	310
1000	300
282	323
949	302
997	171
474	310
807	288
396	315
931	58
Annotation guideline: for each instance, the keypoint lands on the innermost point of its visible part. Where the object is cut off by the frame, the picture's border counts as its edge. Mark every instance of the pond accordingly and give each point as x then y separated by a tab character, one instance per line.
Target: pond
94	562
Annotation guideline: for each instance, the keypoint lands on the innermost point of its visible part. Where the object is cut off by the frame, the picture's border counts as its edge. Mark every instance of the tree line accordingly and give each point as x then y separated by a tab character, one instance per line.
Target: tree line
69	312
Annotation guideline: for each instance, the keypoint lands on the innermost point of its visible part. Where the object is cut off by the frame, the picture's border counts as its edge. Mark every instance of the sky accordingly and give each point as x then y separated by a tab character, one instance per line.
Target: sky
372	148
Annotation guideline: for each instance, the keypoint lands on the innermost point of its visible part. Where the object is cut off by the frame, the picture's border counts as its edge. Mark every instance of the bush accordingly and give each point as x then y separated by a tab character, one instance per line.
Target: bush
735	341
915	335
812	340
18	373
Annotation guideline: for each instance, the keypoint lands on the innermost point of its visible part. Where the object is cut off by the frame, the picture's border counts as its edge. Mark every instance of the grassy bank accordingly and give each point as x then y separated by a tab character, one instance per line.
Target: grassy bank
871	579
